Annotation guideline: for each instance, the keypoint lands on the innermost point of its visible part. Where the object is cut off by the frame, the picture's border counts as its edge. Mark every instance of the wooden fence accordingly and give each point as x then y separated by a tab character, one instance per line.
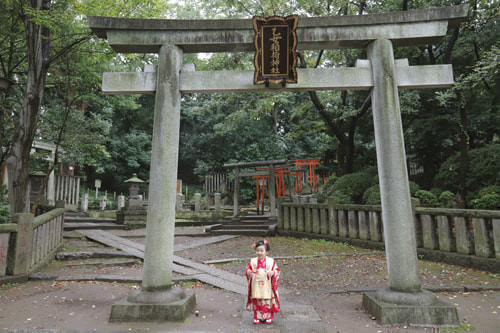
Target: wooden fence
30	241
459	232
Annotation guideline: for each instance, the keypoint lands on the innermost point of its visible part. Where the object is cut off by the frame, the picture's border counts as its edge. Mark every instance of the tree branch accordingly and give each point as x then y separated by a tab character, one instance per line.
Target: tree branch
67	48
321	108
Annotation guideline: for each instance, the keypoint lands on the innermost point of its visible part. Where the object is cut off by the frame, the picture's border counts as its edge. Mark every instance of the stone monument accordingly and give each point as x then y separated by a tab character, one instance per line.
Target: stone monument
134	213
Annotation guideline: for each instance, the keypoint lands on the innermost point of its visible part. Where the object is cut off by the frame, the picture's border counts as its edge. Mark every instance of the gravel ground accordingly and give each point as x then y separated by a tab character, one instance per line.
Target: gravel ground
331	266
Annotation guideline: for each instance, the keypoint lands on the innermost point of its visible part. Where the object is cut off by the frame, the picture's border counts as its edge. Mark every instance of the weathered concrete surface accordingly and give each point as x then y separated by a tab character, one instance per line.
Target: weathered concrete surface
19	261
394	184
352	78
404	299
418	27
160	224
436	313
496	236
124	310
200	272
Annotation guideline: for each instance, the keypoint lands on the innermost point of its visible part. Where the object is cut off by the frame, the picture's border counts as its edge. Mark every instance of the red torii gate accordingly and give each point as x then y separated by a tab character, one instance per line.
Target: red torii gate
269	173
281	172
311	163
279	175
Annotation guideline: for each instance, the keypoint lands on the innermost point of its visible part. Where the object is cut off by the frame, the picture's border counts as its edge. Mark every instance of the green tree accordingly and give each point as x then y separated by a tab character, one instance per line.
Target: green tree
38	35
38	60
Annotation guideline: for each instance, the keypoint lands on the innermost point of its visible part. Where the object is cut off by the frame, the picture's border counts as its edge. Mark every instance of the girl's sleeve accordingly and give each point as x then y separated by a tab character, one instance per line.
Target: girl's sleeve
276	276
249	268
277	271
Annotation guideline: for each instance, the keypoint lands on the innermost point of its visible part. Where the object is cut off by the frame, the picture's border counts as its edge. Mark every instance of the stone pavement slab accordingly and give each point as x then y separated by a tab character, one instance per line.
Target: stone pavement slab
203	273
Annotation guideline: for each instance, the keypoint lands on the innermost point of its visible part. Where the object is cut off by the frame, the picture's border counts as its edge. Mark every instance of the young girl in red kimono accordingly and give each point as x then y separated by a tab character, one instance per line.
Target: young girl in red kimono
263	276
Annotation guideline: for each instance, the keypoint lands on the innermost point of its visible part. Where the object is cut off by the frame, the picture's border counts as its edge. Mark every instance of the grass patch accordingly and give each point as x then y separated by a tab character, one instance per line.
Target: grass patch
307	246
450	274
463	328
190	284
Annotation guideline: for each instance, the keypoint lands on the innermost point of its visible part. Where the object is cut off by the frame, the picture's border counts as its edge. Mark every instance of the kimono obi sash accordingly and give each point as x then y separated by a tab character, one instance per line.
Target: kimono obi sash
261	284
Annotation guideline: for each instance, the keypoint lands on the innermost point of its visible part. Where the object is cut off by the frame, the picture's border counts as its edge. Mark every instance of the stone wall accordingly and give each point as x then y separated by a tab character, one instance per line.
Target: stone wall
458	236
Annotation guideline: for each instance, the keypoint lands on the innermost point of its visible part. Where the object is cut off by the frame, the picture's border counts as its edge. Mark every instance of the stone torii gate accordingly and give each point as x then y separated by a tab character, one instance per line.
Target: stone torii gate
403	301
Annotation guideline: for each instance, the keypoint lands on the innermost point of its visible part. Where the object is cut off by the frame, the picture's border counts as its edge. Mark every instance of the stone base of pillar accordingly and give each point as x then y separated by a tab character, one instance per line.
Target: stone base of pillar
410	309
170	305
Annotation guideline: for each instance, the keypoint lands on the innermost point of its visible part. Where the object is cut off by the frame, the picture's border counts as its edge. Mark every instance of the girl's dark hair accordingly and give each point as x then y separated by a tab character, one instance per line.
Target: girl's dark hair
262	242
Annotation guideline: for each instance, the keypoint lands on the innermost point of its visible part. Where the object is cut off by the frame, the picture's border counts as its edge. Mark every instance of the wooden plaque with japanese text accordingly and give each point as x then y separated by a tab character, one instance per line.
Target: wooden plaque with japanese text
275	49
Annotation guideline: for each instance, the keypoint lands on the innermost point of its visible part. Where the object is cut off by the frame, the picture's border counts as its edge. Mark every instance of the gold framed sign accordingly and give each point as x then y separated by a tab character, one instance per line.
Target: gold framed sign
275	49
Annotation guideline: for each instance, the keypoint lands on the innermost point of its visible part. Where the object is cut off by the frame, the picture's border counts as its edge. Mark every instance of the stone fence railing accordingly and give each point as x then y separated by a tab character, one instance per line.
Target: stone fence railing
68	189
459	236
29	242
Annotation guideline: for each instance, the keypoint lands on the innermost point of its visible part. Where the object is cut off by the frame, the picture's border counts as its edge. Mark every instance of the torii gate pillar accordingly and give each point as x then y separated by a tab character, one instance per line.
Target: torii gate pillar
158	300
403	300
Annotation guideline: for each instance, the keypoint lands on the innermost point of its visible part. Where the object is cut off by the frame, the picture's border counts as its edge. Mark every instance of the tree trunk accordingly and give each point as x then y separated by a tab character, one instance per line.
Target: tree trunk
464	157
276	109
38	45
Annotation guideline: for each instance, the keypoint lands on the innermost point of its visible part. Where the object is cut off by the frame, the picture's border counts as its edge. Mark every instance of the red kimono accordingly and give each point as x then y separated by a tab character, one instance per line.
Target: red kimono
263	297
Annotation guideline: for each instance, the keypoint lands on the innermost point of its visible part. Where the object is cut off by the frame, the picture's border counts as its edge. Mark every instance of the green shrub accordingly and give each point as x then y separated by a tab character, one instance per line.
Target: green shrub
321	197
484	166
488	201
350	188
493	189
327	186
427	198
488	198
436	191
447	200
341	197
413	188
4	205
372	195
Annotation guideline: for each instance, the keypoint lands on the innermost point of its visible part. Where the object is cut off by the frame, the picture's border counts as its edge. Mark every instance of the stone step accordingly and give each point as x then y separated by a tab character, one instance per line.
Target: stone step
255	217
250	218
248	222
90	226
242	232
245	226
86	219
75	214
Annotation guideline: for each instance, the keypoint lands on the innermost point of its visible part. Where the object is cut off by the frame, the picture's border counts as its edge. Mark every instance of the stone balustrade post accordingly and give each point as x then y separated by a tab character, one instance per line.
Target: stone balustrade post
217	201
85	202
121	202
178	201
19	261
197	202
102	203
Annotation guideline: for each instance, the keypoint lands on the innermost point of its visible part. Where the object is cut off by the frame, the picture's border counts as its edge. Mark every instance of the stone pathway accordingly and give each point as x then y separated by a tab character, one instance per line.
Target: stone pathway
192	270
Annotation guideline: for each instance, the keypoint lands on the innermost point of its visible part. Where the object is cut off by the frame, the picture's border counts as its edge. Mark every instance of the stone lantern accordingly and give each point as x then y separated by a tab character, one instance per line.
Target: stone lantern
134	214
133	190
